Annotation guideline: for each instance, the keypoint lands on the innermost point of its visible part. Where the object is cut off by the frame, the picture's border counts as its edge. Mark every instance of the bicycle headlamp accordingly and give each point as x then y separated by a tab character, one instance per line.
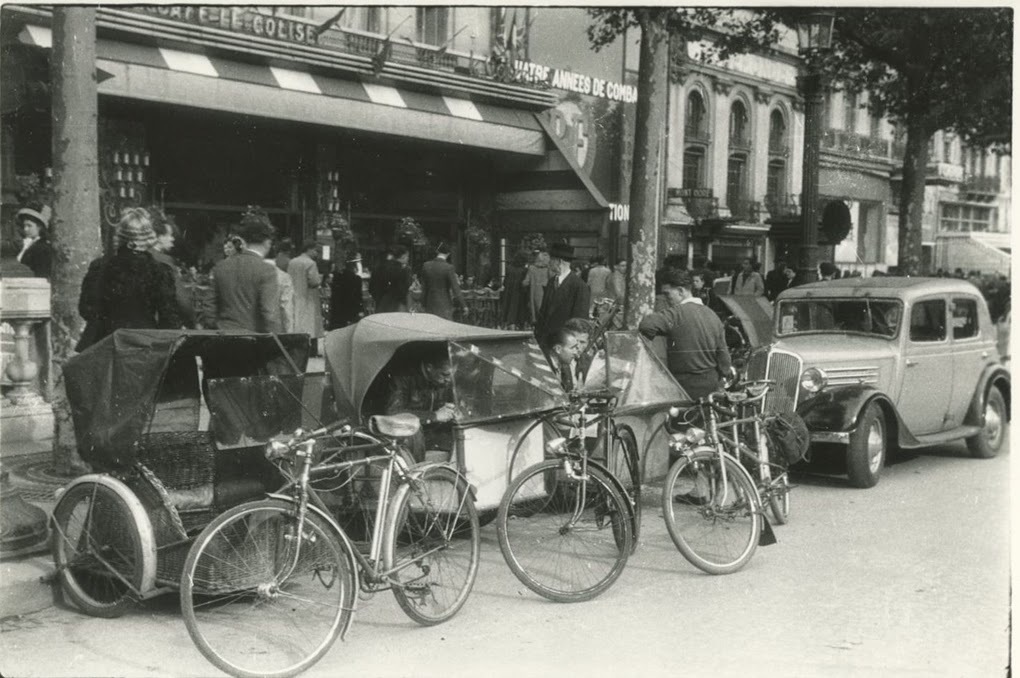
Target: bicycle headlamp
556	445
276	449
695	435
813	380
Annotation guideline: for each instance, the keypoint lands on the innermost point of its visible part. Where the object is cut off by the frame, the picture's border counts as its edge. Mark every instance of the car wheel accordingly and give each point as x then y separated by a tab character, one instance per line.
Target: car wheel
986	444
867	449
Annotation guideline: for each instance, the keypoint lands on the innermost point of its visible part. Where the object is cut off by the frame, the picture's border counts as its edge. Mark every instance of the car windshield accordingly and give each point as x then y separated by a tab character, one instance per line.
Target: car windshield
874	317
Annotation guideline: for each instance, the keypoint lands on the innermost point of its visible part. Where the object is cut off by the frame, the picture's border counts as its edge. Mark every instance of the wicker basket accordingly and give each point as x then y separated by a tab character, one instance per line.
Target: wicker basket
181	460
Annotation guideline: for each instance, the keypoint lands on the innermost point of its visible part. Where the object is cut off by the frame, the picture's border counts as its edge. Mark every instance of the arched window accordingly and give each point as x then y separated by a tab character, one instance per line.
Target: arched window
696	126
777	133
694	167
739	134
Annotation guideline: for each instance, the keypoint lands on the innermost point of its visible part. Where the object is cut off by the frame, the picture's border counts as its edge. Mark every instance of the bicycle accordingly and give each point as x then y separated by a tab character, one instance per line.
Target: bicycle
270	584
712	506
566	524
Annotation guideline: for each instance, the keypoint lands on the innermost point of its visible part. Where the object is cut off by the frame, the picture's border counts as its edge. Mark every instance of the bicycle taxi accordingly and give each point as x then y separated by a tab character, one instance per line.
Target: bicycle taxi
506	394
163	468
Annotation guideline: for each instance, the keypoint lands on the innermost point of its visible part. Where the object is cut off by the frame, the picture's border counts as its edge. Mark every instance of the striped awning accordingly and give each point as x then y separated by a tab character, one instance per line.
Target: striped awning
155	73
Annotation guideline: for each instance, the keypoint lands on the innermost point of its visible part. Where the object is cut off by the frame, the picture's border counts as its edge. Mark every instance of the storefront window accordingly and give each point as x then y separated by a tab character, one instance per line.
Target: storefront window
966	218
433	25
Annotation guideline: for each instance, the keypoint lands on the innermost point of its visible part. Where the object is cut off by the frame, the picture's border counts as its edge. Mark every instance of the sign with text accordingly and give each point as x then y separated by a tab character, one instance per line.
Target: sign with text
557	78
237	20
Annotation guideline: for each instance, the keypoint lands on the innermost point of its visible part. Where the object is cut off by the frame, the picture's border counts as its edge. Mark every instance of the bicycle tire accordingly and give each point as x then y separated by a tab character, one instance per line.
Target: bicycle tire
432	544
95	514
249	608
715	538
533	536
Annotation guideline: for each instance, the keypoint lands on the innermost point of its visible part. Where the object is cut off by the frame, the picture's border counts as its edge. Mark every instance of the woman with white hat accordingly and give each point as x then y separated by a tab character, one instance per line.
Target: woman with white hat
36	251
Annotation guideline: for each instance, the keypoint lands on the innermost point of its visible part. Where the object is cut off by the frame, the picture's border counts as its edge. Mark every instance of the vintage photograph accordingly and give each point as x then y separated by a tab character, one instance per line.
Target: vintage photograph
529	340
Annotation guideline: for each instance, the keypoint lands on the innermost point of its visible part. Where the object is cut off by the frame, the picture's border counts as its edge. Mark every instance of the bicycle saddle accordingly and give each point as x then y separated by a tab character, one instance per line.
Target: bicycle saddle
395	425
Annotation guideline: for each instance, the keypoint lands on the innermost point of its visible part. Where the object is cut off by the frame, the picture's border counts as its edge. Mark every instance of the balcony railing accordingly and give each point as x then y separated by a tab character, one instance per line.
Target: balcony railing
852	143
783	205
356	42
978	184
779	147
744	209
697	135
740	142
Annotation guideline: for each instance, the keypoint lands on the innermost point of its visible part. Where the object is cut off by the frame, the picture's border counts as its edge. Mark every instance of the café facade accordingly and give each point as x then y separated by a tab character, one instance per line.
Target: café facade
207	111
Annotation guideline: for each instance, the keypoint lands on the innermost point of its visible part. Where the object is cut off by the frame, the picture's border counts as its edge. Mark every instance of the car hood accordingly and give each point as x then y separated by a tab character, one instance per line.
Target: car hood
846	358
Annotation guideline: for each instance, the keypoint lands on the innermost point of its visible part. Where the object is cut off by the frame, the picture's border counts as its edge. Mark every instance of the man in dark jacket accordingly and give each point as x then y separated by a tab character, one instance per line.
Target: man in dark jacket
345	301
566	295
439	285
697	354
776	280
425	389
394	285
245	289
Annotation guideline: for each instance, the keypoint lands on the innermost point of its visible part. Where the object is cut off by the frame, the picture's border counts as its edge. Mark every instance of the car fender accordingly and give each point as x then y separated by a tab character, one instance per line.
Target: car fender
993	375
837	410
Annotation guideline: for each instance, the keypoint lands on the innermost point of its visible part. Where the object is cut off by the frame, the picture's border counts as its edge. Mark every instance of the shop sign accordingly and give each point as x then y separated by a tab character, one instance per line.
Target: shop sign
618	212
557	78
238	20
688	193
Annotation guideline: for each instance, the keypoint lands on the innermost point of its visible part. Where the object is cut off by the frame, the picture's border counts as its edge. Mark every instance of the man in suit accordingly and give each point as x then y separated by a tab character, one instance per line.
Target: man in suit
245	290
566	295
440	290
776	280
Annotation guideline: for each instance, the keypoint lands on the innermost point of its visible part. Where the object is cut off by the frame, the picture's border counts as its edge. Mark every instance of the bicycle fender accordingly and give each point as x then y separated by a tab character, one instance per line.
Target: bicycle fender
345	541
146	536
618	486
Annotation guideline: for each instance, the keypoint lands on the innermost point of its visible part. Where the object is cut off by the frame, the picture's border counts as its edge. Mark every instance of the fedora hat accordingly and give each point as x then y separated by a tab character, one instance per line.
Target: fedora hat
561	250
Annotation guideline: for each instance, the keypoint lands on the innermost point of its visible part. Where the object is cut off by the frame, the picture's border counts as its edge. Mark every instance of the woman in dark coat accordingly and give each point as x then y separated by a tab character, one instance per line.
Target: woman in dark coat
345	301
514	304
128	289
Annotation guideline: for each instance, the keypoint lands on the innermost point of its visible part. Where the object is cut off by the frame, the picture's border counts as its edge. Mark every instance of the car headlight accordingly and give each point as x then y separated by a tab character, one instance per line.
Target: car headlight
556	446
813	380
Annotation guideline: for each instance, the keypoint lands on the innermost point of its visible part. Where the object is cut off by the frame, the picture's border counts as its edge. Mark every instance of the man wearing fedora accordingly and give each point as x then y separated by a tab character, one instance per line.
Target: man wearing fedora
345	299
36	251
244	287
566	295
440	290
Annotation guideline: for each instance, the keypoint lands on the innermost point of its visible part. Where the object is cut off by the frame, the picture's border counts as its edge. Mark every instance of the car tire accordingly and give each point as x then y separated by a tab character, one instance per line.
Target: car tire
988	442
866	452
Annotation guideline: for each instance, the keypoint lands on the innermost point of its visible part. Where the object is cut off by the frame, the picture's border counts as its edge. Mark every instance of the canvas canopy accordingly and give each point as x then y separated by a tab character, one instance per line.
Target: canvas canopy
630	365
497	373
115	385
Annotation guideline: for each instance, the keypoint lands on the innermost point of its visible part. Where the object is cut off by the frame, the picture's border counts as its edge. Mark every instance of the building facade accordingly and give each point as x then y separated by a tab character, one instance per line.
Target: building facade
369	116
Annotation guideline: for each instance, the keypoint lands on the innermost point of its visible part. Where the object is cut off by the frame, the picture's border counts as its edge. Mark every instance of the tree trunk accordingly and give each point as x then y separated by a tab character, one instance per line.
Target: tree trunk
650	118
76	221
911	219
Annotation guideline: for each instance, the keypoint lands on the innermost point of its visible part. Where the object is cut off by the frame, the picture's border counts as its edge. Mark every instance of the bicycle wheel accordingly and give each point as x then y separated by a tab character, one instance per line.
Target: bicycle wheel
524	456
97	550
715	525
548	551
260	600
431	545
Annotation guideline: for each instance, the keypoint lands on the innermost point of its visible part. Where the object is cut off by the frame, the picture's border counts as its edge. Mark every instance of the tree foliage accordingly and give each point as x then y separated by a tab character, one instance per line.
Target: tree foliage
943	68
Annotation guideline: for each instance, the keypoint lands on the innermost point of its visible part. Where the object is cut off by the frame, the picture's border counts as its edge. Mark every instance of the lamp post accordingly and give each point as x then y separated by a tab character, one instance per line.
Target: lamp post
814	36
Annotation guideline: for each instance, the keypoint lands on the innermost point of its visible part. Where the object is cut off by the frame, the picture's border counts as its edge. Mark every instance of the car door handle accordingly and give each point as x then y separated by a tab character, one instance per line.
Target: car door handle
911	363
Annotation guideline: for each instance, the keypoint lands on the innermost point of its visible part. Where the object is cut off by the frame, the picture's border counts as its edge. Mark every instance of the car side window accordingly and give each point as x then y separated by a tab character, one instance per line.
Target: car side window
965	318
928	320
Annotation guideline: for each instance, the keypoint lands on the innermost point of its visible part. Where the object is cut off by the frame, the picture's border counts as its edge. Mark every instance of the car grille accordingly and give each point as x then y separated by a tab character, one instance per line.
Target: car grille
782	367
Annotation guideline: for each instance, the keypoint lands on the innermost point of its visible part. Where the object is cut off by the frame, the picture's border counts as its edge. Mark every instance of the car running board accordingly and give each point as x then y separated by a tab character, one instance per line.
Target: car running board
949	436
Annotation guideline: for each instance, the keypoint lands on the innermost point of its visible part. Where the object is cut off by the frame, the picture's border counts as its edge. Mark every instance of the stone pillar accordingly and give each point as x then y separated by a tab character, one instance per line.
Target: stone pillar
26	416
